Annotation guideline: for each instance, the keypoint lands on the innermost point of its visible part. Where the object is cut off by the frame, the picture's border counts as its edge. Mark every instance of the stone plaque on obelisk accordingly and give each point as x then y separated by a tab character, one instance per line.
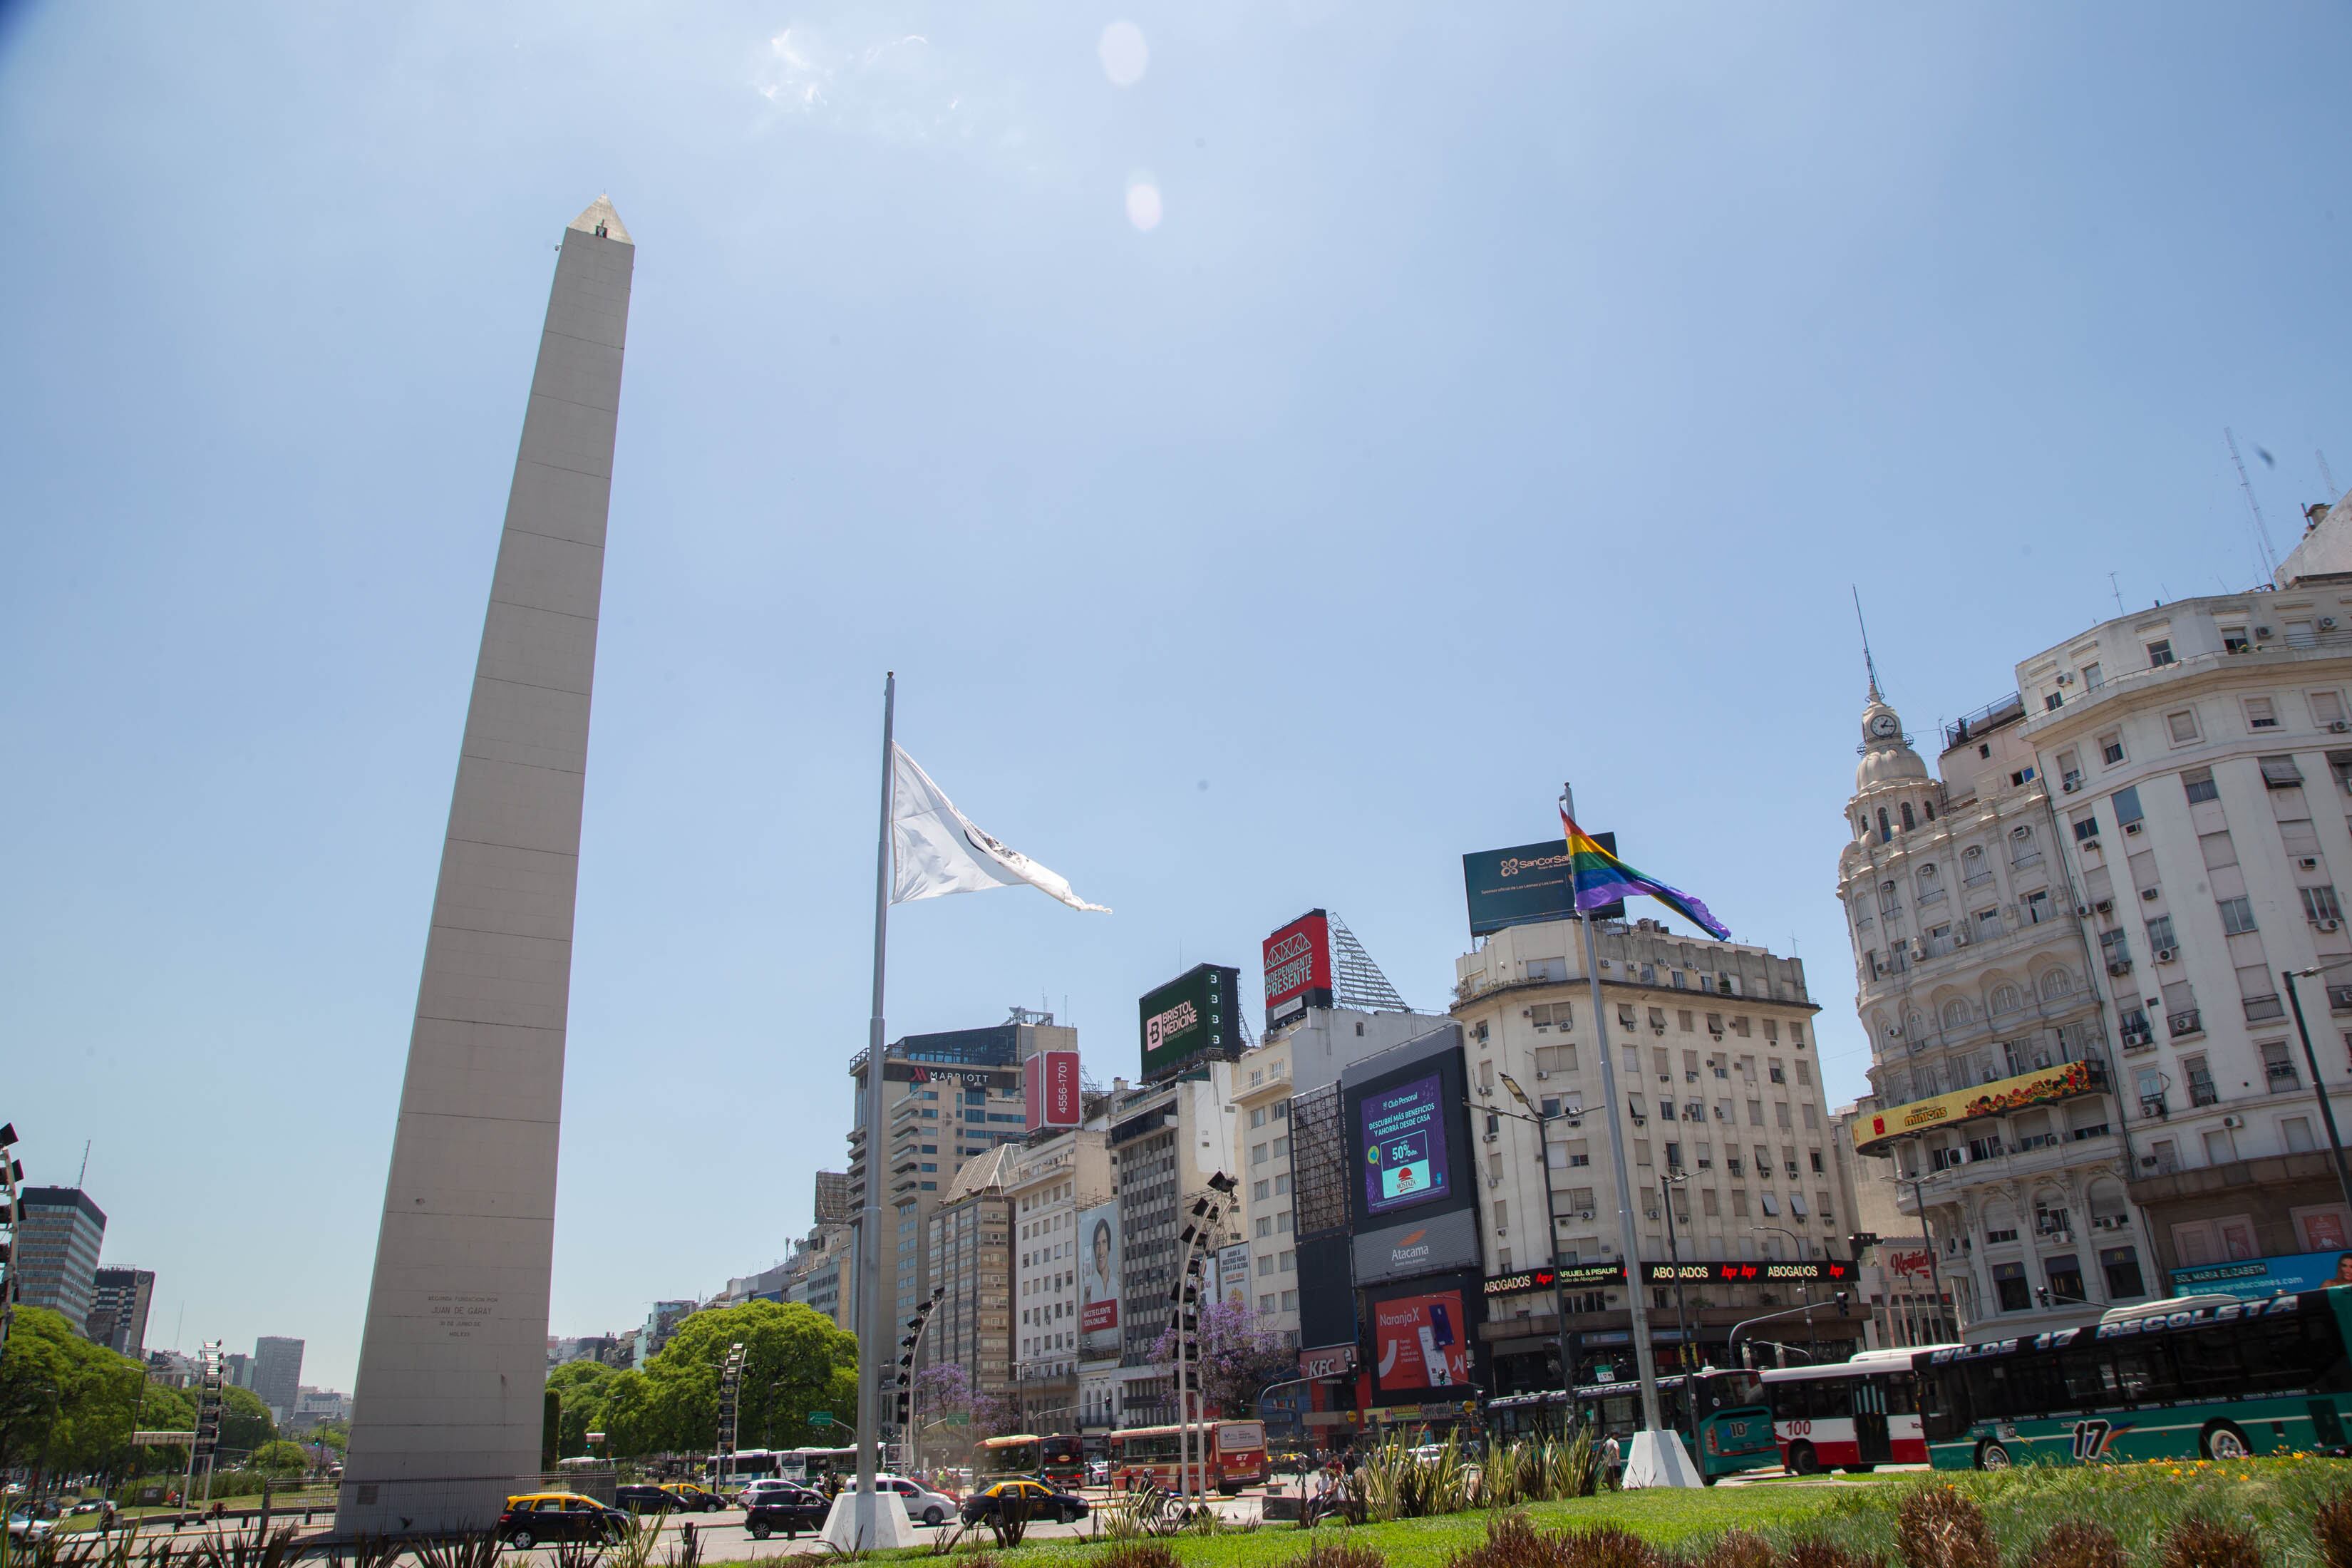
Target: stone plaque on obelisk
452	1363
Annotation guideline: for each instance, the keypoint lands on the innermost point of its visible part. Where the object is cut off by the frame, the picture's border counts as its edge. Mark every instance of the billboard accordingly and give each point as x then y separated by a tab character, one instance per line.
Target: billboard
1404	1110
1049	1081
1402	1133
1233	1273
1525	884
1099	1329
2261	1278
1191	1016
1425	1338
1298	967
1999	1097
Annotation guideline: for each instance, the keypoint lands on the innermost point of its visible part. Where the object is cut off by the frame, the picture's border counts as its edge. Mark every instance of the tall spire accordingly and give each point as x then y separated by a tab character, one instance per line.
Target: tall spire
1868	663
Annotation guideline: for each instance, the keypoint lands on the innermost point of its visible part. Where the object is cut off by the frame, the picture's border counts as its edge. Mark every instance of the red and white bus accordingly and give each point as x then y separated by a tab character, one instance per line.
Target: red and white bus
1150	1456
1850	1416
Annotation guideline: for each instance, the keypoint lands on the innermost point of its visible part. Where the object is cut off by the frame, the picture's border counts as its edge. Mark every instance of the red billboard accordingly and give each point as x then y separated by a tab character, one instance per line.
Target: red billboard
1049	1079
1298	967
1421	1342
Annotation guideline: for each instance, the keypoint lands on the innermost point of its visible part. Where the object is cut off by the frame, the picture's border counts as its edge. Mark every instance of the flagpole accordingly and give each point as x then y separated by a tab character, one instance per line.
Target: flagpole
1627	1244
871	1332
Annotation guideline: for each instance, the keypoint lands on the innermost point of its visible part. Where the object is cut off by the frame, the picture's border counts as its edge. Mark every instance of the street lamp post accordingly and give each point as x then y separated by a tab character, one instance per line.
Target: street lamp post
1551	1246
1741	1327
1804	1285
2318	1084
1666	1186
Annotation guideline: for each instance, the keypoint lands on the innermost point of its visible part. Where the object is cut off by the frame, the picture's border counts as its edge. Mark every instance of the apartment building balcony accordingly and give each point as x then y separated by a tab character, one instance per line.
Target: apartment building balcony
2100	1142
2168	1179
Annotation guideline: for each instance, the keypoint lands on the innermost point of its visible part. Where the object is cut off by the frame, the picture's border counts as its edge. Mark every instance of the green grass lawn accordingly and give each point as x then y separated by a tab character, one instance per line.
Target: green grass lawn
2276	1498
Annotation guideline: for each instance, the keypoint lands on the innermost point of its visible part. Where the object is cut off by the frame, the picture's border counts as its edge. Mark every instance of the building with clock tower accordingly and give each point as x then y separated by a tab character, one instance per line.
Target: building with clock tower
1991	1073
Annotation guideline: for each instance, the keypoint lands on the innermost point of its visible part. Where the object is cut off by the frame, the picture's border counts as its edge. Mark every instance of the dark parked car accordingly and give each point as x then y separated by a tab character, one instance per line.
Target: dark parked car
1039	1502
533	1517
790	1512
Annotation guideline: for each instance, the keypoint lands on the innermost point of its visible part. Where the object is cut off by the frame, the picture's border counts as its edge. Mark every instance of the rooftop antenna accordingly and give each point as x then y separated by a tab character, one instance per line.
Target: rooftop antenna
84	1175
1867	662
2114	588
2262	529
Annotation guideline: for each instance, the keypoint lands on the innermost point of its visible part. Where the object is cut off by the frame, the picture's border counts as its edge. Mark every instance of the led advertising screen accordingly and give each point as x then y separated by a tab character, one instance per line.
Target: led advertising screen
1049	1081
1421	1342
1098	1333
1402	1133
1525	884
1403	1110
1191	1016
1298	967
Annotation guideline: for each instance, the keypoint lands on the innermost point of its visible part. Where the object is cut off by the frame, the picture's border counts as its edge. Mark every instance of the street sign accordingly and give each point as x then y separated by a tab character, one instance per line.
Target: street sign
820	1418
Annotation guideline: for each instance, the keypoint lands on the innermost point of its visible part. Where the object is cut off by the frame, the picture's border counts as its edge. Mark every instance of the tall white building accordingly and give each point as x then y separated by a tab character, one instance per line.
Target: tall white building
2131	851
1048	1183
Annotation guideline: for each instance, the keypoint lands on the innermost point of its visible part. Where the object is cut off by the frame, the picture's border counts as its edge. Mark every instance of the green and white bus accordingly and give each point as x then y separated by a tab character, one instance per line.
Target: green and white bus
2199	1377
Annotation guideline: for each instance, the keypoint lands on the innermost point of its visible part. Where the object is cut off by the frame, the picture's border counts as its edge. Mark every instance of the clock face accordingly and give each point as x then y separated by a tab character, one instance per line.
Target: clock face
1882	725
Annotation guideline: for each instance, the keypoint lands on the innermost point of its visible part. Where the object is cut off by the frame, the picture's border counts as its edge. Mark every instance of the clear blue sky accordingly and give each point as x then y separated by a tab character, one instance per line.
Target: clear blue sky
1504	393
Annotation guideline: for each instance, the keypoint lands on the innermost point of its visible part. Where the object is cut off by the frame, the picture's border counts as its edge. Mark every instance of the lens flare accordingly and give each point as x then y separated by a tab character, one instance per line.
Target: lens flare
1125	55
1143	209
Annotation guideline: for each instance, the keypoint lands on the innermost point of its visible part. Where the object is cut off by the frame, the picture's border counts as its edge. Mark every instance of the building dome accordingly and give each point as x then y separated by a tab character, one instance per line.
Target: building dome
1886	755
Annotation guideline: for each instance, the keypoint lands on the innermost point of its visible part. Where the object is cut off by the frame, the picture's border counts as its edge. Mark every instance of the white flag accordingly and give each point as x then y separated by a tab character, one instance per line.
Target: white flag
936	850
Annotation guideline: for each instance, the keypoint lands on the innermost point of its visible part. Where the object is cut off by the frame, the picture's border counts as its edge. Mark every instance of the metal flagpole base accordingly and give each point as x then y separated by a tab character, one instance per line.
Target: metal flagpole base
1659	1459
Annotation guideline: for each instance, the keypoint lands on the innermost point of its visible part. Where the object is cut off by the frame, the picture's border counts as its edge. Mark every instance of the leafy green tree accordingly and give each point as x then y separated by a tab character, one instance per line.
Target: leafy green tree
245	1425
281	1457
65	1404
581	1386
796	1361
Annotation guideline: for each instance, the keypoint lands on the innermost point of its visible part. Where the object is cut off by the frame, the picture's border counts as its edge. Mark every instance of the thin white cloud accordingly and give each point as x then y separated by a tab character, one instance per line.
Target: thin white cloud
861	74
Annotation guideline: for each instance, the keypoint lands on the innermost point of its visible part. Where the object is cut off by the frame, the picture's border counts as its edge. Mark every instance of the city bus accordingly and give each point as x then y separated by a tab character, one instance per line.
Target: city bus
1058	1460
2203	1376
1734	1425
1848	1415
1150	1456
728	1474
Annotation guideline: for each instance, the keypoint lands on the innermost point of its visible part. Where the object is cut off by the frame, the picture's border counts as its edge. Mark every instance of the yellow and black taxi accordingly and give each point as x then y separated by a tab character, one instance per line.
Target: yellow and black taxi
533	1517
1023	1499
690	1497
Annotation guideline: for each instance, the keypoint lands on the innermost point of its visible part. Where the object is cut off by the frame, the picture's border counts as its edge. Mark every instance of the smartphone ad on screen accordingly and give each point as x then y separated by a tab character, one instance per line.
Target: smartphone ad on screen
1418	1343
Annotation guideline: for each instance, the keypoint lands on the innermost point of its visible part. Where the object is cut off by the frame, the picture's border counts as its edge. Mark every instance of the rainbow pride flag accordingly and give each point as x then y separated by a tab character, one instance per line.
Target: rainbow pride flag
1603	878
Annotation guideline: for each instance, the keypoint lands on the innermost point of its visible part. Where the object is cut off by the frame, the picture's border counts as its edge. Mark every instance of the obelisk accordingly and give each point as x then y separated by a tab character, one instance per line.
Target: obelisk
453	1363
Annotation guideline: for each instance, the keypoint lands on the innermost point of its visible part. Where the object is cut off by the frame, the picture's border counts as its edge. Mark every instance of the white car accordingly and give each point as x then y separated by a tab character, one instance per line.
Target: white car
923	1505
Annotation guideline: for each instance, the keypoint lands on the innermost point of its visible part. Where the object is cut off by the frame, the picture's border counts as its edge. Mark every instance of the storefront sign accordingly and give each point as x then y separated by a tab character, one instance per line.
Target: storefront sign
1999	1097
1585	1276
1735	1273
1526	1280
1331	1360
